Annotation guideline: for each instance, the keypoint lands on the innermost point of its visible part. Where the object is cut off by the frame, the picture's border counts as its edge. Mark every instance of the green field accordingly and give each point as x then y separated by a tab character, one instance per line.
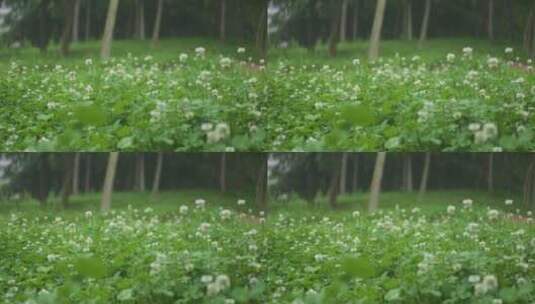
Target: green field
173	251
442	97
434	98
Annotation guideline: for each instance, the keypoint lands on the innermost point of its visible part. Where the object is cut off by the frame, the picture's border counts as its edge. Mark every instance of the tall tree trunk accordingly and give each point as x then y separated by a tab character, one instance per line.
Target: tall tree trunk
107	39
334	187
157	176
335	28
68	16
76	21
407	173
529	33
529	184
343	173
140	172
157	25
107	190
222	21
261	191
261	31
425	23
408	29
356	20
223	173
76	175
354	188
375	187
87	186
44	21
425	176
490	21
373	52
141	21
44	178
343	21
490	173
88	20
66	188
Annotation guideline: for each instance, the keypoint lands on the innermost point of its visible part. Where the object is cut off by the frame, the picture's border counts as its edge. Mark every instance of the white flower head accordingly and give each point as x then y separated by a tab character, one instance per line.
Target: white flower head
183	209
241	202
200	203
241	50
450	57
467	203
468	51
200	51
183	57
451	209
493	214
225	214
509	50
508	202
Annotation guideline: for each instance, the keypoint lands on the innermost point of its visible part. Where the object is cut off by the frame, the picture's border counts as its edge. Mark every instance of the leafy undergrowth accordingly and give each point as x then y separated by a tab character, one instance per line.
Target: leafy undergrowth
218	251
461	100
196	98
461	254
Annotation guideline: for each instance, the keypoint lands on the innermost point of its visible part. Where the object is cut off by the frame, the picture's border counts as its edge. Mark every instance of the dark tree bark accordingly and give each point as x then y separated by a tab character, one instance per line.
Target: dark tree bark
44	25
87	186
66	188
334	185
157	24
334	35
261	186
44	179
68	17
157	176
223	173
222	21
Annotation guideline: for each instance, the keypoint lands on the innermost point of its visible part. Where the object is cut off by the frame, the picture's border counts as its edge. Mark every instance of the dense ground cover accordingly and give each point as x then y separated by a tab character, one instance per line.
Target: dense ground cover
184	251
188	95
454	95
438	97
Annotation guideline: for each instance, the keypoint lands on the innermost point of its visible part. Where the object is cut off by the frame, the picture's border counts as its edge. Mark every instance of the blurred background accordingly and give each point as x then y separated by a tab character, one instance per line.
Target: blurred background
74	181
374	180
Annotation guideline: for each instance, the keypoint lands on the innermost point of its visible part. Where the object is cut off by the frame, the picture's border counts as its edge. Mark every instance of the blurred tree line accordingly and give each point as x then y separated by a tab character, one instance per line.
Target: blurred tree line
44	175
41	22
331	174
331	21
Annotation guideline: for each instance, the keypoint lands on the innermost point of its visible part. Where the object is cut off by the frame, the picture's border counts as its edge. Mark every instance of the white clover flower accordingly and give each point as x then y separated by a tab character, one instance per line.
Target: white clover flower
450	57
200	203
497	301
241	202
356	61
241	50
88	214
467	203
148	210
225	214
490	130
212	289
230	301
225	62
356	214
491	282
451	209
204	227
200	51
468	51
493	214
183	57
509	50
319	257
508	202
492	62
474	279
207	126
474	127
480	289
52	257
88	61
223	281
183	209
207	279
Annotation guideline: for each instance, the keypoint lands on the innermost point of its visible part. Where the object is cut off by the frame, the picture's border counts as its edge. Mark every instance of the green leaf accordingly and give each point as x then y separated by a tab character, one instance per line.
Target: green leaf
358	267
126	143
393	295
125	295
357	115
93	115
91	267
